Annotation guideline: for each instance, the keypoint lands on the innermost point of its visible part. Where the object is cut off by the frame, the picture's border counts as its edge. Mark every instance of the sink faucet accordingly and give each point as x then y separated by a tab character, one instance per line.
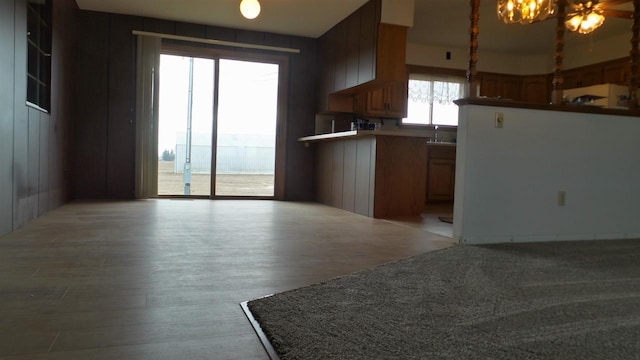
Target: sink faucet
435	134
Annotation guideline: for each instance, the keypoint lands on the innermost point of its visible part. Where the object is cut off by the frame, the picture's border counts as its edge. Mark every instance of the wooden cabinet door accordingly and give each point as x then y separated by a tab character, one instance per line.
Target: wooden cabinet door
535	89
441	180
340	80
511	87
327	74
490	85
571	79
591	75
368	40
617	72
397	100
376	102
353	49
360	103
389	101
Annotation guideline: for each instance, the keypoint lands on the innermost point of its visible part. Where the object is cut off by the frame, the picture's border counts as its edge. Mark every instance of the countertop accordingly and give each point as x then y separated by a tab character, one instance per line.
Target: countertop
360	133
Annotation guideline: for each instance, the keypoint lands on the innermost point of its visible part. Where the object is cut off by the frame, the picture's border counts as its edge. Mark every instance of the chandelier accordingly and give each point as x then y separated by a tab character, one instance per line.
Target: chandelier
585	17
524	11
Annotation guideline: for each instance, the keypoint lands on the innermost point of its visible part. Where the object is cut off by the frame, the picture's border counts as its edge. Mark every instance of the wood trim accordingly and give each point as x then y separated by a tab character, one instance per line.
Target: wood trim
634	54
271	352
472	80
215	42
557	82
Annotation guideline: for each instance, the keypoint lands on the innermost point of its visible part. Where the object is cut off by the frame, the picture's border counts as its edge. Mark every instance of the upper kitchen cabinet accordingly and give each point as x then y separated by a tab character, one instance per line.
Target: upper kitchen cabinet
583	76
387	101
616	72
361	54
501	85
536	89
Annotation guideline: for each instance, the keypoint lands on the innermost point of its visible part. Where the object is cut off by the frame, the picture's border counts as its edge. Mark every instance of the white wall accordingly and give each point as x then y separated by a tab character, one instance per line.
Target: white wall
425	55
507	180
399	12
586	52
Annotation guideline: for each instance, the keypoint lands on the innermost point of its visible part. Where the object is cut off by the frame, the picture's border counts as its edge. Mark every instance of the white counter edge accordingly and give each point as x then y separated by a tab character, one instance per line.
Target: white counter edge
357	133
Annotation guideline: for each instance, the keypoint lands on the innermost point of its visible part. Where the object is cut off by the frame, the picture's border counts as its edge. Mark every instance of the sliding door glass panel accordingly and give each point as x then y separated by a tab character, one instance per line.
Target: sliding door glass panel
246	128
185	125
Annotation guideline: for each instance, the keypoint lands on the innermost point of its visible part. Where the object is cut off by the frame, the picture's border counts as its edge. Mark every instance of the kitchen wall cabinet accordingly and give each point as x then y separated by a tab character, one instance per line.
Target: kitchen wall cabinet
583	76
388	101
441	170
347	51
501	85
616	72
536	89
361	55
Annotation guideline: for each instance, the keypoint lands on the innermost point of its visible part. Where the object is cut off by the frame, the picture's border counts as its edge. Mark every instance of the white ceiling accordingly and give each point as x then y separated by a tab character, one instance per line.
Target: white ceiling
437	22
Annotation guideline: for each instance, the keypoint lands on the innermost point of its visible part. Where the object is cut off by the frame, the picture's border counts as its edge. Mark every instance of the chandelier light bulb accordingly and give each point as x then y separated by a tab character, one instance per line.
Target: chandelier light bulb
574	23
585	19
250	9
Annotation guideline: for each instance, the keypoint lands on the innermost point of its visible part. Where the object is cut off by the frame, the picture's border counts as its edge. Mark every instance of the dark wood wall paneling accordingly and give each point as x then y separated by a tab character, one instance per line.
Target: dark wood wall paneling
7	87
302	104
63	103
105	136
34	145
92	95
20	122
122	104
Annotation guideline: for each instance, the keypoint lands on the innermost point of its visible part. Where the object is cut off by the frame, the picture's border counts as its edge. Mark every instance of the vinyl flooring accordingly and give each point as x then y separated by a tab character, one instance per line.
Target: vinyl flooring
163	279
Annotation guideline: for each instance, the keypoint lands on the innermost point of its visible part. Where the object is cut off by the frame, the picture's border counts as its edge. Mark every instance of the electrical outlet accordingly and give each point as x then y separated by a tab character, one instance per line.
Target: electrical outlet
499	123
562	198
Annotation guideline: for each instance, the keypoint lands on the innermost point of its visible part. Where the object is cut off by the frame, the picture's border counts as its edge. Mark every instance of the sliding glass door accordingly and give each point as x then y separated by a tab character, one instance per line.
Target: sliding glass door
246	128
225	122
185	130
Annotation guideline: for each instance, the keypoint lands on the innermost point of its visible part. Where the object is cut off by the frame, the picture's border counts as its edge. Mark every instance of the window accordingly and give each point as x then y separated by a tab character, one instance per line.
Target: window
39	54
431	100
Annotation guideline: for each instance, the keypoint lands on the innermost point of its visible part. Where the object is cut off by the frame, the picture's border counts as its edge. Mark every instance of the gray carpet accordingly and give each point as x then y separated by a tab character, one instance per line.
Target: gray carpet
572	300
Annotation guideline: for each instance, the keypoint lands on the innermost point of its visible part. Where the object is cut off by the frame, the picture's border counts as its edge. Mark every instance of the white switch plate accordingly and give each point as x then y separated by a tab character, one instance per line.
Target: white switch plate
499	123
562	198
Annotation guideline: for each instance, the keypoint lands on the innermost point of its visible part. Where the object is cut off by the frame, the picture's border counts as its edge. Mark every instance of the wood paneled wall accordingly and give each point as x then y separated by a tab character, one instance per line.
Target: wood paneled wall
34	146
105	127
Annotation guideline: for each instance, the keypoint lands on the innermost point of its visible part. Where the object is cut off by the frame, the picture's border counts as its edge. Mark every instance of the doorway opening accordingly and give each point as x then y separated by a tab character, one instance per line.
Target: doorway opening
217	127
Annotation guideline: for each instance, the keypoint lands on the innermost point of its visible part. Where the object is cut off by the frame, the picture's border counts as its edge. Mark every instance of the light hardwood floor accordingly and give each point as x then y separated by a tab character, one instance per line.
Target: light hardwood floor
163	279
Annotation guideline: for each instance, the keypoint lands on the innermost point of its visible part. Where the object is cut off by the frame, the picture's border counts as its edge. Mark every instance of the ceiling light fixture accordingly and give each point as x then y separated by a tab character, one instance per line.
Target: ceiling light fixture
585	19
524	11
250	9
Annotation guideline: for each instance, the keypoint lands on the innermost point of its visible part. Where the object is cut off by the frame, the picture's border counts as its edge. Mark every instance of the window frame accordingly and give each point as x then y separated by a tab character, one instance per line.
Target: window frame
435	74
39	37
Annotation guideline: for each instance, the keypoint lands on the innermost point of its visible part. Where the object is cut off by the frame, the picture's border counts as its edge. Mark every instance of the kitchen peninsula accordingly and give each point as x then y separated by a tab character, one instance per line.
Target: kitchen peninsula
375	173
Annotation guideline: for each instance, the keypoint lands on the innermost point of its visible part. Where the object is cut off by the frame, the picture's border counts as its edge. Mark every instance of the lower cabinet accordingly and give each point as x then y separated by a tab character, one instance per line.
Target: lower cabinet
441	171
377	176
